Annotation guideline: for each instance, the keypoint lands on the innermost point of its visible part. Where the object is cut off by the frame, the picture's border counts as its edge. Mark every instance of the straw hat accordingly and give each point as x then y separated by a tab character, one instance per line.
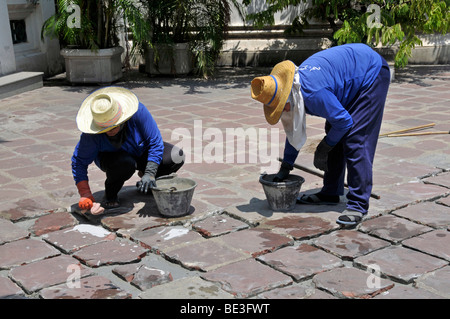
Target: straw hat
273	90
105	109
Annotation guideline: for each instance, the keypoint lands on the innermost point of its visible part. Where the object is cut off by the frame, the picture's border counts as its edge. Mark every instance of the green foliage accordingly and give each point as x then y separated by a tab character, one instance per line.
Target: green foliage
400	21
201	23
100	23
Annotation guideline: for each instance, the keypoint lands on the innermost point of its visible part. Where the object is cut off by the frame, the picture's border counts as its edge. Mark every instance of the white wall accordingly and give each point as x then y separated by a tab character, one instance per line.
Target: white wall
35	54
7	58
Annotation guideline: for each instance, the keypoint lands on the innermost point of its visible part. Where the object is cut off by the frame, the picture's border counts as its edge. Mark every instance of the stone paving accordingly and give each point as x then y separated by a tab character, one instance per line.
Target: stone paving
231	245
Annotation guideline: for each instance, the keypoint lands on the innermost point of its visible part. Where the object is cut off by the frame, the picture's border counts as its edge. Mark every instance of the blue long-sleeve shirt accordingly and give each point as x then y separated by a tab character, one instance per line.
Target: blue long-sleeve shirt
330	80
143	135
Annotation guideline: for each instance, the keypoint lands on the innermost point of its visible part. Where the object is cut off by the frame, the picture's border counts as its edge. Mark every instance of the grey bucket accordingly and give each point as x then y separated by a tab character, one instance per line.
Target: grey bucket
173	195
281	196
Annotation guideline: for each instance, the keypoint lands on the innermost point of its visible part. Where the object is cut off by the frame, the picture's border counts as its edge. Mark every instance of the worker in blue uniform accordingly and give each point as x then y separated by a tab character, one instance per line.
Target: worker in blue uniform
347	85
121	137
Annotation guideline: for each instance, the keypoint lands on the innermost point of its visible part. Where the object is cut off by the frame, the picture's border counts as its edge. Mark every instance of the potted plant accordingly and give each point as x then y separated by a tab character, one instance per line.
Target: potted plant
89	32
185	35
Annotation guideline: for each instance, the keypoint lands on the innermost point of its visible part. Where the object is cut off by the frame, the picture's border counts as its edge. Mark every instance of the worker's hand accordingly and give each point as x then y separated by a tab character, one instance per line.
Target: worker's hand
97	209
86	199
283	173
86	203
321	155
146	183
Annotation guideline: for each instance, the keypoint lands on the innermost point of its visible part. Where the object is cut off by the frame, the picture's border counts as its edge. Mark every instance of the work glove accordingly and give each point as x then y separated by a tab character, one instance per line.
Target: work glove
321	155
148	180
283	173
86	199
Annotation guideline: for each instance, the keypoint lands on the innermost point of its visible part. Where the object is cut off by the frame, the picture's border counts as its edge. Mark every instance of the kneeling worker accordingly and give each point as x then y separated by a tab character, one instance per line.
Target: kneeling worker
120	135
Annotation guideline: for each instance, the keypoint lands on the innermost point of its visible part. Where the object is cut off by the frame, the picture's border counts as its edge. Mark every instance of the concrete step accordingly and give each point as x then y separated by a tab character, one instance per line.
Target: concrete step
20	82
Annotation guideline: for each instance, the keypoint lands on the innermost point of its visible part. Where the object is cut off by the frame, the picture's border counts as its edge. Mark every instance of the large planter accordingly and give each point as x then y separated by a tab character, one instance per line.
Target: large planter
173	60
86	66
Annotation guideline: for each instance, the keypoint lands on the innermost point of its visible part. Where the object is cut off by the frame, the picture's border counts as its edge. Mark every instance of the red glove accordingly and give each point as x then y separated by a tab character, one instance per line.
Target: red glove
86	200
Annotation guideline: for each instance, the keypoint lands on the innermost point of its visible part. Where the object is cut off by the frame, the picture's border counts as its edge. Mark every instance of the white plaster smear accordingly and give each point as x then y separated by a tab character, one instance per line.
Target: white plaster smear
173	233
90	229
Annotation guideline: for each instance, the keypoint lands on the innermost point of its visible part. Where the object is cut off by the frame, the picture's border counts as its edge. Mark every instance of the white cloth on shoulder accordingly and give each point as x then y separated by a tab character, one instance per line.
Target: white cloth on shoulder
294	121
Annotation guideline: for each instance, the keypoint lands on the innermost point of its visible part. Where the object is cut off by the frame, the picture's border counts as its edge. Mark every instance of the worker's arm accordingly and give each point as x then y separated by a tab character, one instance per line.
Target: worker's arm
325	104
83	155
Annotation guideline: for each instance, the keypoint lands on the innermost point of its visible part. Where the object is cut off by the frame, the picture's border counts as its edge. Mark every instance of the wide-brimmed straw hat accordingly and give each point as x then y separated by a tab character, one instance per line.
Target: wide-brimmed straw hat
105	109
273	90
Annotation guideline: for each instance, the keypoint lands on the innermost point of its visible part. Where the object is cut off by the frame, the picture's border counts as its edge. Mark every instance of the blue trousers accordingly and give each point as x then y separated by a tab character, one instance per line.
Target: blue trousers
356	150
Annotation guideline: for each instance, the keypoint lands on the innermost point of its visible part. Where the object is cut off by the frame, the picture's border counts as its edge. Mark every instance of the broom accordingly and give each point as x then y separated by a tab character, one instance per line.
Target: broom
407	131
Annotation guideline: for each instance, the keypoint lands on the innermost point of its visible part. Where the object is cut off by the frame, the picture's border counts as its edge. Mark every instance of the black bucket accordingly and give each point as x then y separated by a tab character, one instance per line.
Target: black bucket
281	196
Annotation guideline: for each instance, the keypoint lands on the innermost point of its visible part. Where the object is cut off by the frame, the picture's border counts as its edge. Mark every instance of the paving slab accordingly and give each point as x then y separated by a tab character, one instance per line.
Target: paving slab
296	291
442	179
300	227
247	278
48	272
436	282
401	264
407	171
397	196
217	225
205	255
253	212
436	243
427	213
352	283
391	201
399	152
444	201
27	208
52	222
349	244
393	229
8	289
93	287
438	159
110	252
407	292
301	262
135	220
255	241
142	276
11	232
186	288
164	239
72	239
25	251
419	191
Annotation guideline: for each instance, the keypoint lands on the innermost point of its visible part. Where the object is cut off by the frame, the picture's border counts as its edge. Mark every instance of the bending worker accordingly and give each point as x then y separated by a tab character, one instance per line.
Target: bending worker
120	135
347	85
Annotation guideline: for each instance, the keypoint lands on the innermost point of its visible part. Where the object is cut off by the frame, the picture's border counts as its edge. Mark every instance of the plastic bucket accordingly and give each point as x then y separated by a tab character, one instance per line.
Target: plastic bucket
173	195
281	196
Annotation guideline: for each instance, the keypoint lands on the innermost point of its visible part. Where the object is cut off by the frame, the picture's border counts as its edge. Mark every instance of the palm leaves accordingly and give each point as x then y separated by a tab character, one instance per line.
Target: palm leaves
201	23
100	23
